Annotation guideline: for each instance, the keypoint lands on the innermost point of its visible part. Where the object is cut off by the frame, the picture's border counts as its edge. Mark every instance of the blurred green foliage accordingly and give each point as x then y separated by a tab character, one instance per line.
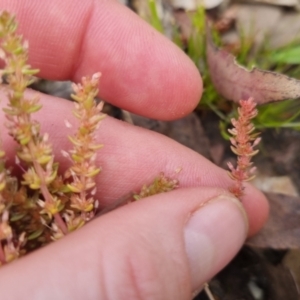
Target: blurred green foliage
154	18
286	60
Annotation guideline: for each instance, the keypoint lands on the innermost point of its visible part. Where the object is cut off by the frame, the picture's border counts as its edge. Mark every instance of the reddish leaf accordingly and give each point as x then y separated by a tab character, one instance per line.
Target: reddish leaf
235	82
282	230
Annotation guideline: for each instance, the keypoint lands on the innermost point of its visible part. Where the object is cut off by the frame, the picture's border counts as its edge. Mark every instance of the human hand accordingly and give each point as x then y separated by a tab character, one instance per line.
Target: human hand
165	246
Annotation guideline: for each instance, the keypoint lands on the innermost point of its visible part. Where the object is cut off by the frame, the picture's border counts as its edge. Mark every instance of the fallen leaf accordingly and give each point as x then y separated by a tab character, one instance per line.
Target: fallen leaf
275	184
194	4
251	275
251	21
286	31
292	262
235	82
293	3
282	230
282	283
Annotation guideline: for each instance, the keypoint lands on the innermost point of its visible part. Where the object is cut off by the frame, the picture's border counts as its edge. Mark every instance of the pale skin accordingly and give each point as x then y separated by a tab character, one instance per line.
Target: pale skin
163	247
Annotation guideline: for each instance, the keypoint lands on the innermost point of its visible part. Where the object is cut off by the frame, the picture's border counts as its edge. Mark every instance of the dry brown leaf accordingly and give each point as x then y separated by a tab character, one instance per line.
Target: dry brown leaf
235	82
292	262
251	21
293	3
190	5
286	31
282	230
252	275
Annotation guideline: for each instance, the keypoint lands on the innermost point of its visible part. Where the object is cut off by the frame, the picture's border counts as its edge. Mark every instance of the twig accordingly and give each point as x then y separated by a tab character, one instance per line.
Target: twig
208	292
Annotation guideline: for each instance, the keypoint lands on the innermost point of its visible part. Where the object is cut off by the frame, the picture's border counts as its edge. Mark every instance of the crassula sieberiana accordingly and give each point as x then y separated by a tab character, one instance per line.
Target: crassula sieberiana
43	204
243	141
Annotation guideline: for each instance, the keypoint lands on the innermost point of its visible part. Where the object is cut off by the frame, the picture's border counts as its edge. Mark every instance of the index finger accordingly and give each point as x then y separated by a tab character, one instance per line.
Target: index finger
143	72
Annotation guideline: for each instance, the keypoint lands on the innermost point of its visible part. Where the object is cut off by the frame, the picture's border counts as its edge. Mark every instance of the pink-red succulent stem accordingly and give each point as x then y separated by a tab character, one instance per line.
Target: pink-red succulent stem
243	141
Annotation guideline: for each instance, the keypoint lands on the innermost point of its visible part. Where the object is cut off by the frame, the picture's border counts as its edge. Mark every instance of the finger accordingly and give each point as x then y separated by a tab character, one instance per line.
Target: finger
143	72
164	247
132	157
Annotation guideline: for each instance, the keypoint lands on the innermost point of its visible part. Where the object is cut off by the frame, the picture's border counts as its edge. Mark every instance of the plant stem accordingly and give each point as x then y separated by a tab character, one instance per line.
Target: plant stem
60	223
45	192
208	292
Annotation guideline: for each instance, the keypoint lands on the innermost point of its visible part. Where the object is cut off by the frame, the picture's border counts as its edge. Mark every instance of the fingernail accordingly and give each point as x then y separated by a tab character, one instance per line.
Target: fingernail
213	235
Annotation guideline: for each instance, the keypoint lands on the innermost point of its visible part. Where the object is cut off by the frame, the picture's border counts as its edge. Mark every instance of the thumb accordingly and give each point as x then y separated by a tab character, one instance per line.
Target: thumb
163	247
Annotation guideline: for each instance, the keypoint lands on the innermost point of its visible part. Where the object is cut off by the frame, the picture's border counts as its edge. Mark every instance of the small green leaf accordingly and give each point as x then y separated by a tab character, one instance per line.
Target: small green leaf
77	158
155	20
89	103
17	217
74	141
73	188
95	146
34	108
25	140
287	56
35	234
93	173
44	159
60	206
